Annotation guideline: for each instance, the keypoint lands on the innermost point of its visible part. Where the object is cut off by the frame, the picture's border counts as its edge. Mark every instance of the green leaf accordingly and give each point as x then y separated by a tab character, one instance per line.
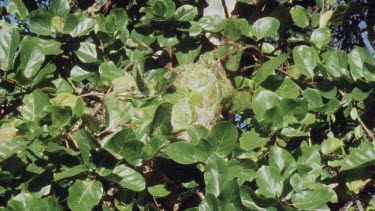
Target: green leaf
251	140
84	194
212	23
186	13
12	146
85	143
40	22
267	107
162	119
337	64
265	27
163	8
62	86
32	58
233	29
299	16
210	202
59	8
321	37
78	74
325	18
24	201
216	174
124	144
195	29
167	41
203	150
55	148
269	68
141	37
357	179
48	46
64	99
310	155
109	70
313	98
361	156
10	39
222	137
281	159
121	18
128	178
158	191
302	182
234	62
59	115
182	152
76	25
18	9
361	63
288	89
186	51
91	122
70	172
327	89
197	132
230	194
253	202
359	95
269	181
311	199
153	146
225	50
330	145
34	105
306	59
87	52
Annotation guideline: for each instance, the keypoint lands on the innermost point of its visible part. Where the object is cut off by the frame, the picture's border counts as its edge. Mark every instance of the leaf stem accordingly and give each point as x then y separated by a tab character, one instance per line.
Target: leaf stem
368	131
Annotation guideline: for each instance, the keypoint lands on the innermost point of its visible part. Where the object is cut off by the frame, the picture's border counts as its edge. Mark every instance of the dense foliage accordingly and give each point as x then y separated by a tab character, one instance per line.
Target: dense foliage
150	104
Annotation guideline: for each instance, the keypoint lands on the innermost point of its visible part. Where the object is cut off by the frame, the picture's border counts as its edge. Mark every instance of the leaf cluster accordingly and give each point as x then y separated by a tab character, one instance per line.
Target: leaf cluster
148	105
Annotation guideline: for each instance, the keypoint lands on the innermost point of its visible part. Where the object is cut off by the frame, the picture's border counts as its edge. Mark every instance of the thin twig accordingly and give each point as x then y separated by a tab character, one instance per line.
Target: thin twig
248	46
284	72
368	131
128	66
96	94
73	140
250	67
200	194
156	203
96	109
134	96
176	206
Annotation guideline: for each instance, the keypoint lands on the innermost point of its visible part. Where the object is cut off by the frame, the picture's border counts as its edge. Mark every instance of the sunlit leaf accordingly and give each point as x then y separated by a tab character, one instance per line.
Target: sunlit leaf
84	194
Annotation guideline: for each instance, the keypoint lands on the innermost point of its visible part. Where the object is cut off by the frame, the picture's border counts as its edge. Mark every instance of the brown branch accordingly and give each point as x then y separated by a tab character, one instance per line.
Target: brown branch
250	67
284	72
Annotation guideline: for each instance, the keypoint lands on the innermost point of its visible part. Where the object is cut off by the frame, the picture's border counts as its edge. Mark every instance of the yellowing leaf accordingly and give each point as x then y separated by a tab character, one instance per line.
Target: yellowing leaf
325	18
64	99
7	133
